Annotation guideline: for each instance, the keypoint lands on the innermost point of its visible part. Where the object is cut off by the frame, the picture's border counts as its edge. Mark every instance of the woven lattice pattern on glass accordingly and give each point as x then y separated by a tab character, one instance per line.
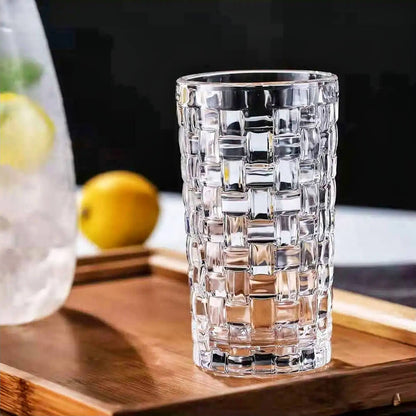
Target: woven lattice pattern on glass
259	165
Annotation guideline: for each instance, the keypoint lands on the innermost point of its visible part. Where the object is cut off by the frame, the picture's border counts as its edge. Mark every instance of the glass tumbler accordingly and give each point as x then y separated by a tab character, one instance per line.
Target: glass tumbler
258	160
37	185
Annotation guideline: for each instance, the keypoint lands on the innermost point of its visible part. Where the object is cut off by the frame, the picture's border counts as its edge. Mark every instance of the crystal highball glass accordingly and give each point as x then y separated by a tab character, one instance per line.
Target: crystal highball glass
258	160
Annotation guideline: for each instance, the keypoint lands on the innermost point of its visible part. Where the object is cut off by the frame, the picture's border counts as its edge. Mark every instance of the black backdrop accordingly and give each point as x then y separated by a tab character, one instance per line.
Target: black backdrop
117	62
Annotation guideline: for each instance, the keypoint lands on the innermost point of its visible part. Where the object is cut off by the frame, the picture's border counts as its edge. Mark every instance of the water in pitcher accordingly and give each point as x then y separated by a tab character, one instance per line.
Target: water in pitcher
36	245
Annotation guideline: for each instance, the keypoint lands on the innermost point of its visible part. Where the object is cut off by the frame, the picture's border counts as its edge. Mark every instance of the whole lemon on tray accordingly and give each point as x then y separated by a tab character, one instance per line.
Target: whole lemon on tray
118	209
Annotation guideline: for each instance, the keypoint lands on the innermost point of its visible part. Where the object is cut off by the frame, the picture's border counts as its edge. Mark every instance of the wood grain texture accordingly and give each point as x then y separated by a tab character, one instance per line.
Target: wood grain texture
25	394
123	347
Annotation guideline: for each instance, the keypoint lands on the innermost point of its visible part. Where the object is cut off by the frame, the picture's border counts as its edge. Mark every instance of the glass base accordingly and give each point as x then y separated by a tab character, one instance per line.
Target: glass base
263	361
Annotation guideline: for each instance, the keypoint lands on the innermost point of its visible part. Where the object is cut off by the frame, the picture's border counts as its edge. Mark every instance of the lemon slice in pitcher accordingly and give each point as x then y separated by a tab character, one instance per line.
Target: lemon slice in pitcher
26	132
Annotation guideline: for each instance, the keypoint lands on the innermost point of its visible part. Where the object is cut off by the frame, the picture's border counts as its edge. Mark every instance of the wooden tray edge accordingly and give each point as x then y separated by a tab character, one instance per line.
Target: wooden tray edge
113	264
375	316
345	382
25	394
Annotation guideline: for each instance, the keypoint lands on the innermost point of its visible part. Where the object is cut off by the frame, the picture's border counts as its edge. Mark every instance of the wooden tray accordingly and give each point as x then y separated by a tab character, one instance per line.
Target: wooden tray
122	346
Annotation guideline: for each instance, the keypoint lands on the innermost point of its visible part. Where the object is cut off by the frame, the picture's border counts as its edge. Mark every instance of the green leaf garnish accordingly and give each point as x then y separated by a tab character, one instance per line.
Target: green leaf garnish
16	74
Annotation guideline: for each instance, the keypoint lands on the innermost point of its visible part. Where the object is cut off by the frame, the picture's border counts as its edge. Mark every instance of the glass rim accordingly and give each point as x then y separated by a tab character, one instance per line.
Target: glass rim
313	77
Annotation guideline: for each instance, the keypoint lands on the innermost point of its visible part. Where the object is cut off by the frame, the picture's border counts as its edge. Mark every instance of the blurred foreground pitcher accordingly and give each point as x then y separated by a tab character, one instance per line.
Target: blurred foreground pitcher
37	199
258	163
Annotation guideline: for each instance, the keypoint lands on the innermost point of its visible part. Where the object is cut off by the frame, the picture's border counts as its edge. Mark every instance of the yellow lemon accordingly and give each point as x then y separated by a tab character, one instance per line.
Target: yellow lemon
26	132
118	209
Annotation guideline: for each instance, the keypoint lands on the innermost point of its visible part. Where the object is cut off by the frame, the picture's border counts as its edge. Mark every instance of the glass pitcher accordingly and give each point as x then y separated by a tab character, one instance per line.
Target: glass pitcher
37	199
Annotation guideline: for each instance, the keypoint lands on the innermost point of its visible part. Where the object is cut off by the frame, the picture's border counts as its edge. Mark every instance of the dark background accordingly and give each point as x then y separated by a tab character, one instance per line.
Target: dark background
117	62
